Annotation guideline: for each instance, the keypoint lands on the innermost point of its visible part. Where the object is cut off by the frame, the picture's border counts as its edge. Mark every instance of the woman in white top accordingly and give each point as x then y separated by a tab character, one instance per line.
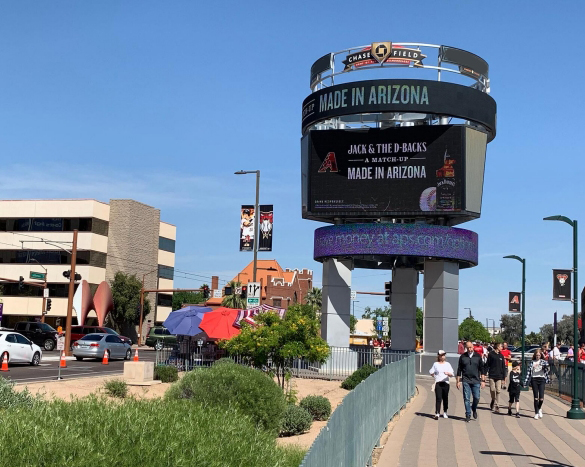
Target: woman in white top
442	371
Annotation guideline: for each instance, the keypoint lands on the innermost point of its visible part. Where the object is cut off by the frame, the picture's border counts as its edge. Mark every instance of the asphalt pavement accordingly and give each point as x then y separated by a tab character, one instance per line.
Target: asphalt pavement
48	370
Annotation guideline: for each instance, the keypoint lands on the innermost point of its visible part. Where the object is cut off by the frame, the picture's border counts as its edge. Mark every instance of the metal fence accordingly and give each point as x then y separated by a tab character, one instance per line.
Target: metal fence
357	424
342	362
561	379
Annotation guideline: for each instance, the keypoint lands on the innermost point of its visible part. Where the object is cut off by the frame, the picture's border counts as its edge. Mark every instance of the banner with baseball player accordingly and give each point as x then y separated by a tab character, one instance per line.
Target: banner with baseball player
247	227
562	284
514	302
265	227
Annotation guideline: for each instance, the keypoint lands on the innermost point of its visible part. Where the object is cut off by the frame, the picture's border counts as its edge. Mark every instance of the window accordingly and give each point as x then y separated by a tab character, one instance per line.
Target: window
11	338
21	339
164	299
34	327
45	327
166	244
20	327
55	224
113	339
277	302
92	337
166	272
159	332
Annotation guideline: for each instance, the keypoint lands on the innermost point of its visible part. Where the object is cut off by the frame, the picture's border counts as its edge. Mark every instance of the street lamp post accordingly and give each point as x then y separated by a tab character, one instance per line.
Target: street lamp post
469	311
575	411
256	216
523	261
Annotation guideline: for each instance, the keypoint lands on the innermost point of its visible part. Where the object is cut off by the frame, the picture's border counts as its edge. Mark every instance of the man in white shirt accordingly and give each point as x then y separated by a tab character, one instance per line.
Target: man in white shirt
556	358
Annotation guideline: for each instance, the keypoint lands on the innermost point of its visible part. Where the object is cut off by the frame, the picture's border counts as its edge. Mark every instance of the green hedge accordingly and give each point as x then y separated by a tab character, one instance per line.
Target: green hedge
318	406
358	376
249	390
296	421
166	373
116	388
135	433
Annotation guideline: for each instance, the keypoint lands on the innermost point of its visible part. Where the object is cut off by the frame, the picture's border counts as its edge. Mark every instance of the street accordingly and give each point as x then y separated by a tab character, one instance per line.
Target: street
48	370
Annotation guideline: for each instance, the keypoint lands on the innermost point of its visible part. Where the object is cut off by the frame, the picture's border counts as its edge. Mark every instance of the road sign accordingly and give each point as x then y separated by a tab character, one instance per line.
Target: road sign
385	329
217	293
38	275
61	343
385	320
353	294
45	293
253	297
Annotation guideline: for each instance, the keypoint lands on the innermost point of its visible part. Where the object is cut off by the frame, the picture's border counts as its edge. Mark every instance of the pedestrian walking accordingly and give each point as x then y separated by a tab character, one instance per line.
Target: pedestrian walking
537	376
545	352
507	354
581	354
442	371
571	353
496	371
470	371
460	347
554	359
514	388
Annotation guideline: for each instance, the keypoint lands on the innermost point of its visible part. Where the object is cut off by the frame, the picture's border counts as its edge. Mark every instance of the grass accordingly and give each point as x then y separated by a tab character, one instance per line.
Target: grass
161	433
116	388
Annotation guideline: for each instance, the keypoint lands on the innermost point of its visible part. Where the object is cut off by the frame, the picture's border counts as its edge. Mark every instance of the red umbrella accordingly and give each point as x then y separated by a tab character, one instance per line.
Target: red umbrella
219	323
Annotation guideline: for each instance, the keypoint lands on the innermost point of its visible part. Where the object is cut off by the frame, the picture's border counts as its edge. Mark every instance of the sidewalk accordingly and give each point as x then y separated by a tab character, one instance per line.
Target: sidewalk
493	440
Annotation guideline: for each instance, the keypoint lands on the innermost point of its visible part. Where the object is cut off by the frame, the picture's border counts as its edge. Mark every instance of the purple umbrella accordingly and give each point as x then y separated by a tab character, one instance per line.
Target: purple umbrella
186	321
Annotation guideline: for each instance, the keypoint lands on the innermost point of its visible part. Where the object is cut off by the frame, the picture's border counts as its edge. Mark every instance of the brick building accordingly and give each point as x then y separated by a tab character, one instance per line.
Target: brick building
280	287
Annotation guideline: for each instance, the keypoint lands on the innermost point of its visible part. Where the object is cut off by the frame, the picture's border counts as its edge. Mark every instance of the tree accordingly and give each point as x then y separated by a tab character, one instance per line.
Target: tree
511	327
314	299
565	330
126	294
547	333
472	330
280	340
234	300
533	338
419	322
352	322
189	298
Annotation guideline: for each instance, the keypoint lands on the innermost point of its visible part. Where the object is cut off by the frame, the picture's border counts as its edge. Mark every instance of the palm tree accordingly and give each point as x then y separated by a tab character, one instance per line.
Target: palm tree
234	300
314	298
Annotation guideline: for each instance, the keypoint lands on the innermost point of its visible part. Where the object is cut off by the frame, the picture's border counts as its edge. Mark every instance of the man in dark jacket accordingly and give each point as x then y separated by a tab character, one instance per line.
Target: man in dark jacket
471	371
496	368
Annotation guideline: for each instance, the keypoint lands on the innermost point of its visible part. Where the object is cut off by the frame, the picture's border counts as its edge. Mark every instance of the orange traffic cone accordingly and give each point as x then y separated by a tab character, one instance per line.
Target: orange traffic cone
105	360
136	355
5	363
62	362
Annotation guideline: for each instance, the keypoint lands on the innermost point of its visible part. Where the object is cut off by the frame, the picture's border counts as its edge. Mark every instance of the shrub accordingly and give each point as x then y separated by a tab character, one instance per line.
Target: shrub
131	432
224	360
9	398
247	389
358	376
116	388
318	406
296	421
167	374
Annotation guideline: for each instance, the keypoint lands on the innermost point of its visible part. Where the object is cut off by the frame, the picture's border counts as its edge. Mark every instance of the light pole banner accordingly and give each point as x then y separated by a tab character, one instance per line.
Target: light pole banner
562	284
514	302
266	226
247	228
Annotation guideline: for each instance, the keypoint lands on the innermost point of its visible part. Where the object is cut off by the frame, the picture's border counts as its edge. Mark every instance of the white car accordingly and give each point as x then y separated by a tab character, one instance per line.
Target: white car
19	349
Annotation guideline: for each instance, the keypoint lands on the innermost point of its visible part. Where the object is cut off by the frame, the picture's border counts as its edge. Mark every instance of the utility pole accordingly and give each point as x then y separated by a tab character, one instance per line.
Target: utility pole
71	293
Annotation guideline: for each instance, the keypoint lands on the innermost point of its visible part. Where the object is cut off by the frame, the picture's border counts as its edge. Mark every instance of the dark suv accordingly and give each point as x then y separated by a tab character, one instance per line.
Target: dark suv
40	333
159	337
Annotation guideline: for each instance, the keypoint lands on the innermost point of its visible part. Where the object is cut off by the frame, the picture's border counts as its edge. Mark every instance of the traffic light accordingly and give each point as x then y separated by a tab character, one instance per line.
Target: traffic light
49	303
21	283
244	291
67	274
205	290
388	291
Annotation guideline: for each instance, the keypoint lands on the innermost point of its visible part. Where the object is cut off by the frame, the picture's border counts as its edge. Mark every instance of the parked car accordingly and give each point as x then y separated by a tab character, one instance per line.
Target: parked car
40	333
528	351
159	337
77	332
95	345
19	349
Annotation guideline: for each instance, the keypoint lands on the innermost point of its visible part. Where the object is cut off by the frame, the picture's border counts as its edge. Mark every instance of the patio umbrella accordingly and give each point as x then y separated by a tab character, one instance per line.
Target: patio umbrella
219	323
186	321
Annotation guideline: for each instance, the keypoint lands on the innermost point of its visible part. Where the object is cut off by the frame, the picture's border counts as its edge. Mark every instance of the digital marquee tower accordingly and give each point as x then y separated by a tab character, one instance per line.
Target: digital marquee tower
394	163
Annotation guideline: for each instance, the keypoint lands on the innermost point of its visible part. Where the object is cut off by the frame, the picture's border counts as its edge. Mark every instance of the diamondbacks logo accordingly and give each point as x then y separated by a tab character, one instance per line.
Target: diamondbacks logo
515	300
330	163
562	278
381	53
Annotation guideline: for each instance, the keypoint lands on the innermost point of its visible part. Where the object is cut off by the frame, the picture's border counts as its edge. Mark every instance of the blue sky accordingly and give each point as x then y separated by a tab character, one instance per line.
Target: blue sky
163	101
